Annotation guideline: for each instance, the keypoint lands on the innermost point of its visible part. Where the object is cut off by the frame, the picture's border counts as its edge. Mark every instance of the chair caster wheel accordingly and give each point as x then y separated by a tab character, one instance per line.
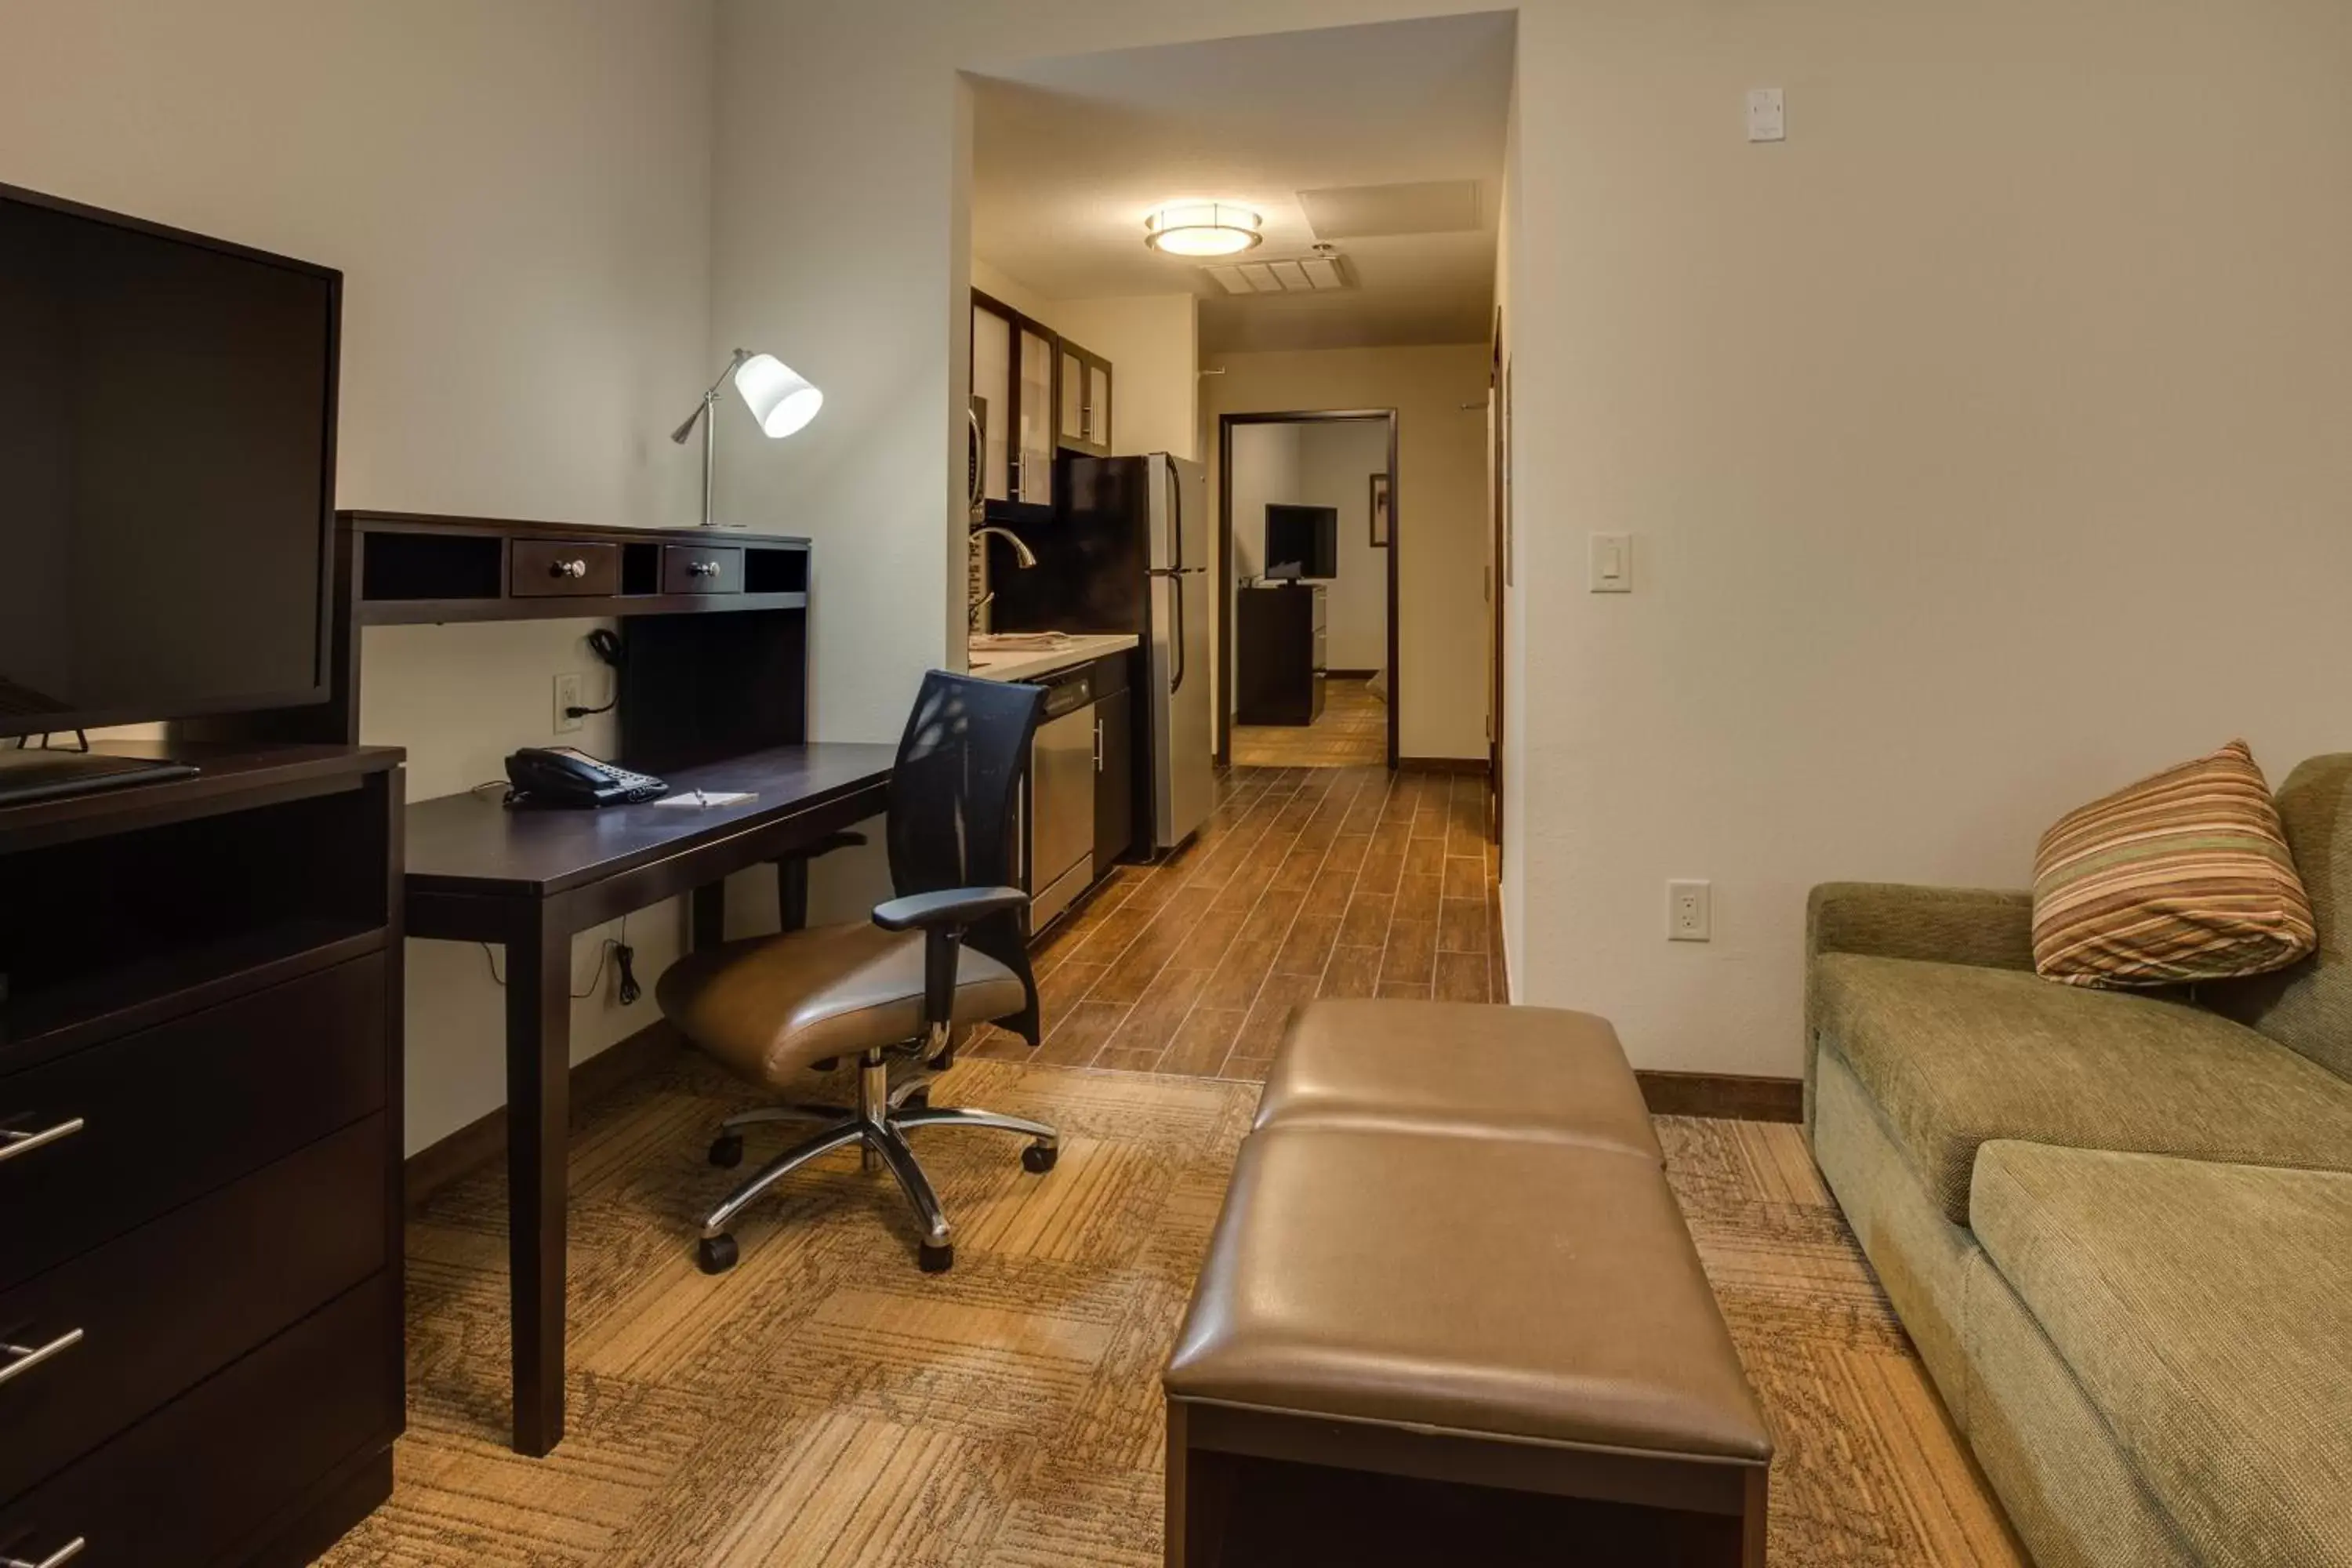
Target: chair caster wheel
716	1254
938	1259
727	1151
1037	1159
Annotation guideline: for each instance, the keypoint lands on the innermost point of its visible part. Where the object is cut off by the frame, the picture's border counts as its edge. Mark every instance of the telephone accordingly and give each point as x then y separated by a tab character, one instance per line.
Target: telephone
563	777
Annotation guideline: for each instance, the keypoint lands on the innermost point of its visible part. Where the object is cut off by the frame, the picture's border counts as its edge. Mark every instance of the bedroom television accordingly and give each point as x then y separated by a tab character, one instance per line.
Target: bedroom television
167	476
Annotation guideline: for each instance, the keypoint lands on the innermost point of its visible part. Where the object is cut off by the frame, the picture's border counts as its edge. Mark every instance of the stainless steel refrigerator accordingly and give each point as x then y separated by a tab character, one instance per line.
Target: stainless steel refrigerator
1128	550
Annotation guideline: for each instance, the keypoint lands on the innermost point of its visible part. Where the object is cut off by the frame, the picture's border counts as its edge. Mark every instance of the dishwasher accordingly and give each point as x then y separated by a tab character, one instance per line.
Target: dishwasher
1062	796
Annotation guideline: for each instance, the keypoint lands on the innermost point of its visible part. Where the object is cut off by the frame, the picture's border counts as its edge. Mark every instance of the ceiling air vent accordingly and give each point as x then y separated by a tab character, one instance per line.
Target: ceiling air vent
1314	273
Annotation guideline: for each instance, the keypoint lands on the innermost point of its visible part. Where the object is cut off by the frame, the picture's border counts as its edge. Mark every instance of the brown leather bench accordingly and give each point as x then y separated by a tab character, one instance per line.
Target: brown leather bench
1452	1308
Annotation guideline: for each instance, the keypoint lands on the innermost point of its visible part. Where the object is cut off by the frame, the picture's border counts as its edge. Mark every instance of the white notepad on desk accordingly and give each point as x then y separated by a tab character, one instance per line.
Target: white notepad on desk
699	798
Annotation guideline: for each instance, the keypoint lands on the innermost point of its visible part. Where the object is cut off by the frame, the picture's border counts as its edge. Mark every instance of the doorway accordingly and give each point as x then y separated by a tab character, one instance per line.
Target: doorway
1307	525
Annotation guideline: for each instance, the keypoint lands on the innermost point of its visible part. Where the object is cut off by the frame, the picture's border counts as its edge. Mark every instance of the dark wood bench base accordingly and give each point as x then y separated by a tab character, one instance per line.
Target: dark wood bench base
1260	1488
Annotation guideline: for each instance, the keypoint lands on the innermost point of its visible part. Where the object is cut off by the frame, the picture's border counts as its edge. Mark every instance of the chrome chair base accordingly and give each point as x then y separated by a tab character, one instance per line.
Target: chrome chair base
878	1125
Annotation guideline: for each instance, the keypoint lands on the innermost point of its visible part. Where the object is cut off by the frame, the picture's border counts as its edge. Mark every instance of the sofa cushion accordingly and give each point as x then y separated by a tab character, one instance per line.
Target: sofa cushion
2206	1311
2308	1007
1955	1055
2181	876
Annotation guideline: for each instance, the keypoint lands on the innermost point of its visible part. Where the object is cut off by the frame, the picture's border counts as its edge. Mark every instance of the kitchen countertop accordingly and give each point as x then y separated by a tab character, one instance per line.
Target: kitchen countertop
1029	664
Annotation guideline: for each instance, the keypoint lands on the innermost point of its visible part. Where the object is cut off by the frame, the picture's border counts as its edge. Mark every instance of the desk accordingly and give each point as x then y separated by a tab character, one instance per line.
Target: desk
530	881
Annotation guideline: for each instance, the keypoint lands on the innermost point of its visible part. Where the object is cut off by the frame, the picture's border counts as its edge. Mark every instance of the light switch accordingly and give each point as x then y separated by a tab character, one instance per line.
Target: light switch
1767	119
1612	563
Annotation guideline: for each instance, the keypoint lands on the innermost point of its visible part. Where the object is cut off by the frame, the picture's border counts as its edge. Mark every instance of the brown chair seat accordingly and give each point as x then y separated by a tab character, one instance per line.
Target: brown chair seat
1538	1291
1452	1066
771	1005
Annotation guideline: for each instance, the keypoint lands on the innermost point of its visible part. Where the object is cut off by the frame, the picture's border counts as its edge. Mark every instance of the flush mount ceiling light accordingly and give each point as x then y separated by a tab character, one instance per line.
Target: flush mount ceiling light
1201	228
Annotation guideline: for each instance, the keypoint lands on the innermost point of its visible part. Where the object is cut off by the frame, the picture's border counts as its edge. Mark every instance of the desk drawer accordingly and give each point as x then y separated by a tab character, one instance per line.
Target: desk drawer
545	569
696	569
177	1110
193	1482
162	1308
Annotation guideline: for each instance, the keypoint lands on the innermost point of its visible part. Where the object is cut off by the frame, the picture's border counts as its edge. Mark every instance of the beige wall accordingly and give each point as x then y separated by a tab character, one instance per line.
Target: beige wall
1440	682
1337	463
1152	342
2027	350
518	196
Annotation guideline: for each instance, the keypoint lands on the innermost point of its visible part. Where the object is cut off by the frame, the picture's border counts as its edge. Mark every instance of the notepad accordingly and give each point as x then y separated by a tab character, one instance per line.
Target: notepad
700	797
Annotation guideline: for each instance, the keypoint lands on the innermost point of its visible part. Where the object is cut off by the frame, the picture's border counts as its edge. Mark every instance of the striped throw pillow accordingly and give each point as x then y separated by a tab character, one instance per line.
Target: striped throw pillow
2182	877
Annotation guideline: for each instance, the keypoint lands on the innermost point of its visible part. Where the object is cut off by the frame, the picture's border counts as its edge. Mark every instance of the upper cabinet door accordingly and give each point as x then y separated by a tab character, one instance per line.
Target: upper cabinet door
1085	423
1032	479
992	392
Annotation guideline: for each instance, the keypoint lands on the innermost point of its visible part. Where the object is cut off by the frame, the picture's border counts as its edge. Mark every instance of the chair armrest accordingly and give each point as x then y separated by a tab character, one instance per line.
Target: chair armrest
1989	928
949	906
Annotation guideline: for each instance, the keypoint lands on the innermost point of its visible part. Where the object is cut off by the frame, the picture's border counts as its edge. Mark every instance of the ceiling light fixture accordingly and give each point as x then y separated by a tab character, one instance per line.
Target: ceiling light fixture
1201	228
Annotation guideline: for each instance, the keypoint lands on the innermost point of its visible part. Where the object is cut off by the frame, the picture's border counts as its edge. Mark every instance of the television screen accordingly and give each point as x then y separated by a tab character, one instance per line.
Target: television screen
166	471
1302	541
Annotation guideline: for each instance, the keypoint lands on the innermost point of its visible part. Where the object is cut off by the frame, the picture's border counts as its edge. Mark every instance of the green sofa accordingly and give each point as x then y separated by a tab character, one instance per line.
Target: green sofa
2118	1226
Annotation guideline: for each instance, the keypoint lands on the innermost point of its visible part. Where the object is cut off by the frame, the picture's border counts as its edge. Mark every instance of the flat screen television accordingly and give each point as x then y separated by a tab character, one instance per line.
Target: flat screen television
1302	540
167	471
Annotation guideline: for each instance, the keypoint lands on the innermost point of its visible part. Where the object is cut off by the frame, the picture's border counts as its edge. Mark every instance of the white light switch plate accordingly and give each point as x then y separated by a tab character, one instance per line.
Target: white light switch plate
1690	911
1612	564
1768	118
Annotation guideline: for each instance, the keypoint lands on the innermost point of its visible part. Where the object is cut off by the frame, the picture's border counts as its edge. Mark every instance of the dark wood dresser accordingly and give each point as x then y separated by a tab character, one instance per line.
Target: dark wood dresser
200	1113
1281	656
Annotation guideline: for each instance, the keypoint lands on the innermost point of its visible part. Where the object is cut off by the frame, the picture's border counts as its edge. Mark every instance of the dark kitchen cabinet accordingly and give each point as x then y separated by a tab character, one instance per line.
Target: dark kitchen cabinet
1114	778
1014	361
1085	401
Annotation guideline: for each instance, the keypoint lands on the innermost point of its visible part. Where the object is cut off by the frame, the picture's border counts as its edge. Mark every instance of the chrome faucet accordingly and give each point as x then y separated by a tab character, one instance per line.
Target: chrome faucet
1023	556
1021	551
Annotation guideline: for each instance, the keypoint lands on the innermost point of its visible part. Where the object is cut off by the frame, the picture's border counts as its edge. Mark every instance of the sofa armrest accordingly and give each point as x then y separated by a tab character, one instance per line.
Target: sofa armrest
1990	928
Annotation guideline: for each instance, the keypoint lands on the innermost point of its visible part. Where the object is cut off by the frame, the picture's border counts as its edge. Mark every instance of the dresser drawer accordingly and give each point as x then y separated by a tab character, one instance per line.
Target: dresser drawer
554	570
694	569
173	1112
186	1485
162	1309
702	570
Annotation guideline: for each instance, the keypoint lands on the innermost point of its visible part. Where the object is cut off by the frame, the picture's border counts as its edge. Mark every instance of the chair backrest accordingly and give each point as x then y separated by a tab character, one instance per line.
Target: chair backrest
2307	1006
953	798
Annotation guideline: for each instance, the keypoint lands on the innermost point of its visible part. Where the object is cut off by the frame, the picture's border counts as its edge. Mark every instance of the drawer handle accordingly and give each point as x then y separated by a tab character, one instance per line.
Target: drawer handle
66	1553
14	1143
567	568
24	1358
702	568
1097	745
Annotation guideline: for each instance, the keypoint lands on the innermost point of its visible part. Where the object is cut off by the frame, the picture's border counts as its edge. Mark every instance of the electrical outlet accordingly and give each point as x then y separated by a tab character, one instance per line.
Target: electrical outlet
1690	911
567	697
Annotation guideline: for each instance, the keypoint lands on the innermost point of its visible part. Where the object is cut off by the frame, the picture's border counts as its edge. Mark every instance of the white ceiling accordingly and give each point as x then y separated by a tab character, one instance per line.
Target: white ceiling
1069	155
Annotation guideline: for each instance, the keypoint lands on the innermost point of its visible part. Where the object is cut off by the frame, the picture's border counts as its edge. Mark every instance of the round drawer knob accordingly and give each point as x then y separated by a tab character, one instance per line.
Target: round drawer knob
702	569
567	568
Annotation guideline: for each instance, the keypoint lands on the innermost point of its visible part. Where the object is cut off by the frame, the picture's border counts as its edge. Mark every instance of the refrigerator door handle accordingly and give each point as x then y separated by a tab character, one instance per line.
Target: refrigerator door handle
1176	594
1175	518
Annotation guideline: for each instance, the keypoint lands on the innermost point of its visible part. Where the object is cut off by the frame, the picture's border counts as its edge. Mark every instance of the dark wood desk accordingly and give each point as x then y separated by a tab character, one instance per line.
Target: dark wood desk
530	880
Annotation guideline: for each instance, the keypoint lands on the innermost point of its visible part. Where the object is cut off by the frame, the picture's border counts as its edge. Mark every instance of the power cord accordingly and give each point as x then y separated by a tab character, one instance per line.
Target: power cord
613	949
605	644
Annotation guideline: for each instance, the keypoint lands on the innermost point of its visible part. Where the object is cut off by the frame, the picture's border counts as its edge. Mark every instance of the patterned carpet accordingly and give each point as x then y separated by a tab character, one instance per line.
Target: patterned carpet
826	1406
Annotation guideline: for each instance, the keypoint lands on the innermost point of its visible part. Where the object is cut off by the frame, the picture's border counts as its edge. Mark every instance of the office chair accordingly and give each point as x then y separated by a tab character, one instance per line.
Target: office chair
947	951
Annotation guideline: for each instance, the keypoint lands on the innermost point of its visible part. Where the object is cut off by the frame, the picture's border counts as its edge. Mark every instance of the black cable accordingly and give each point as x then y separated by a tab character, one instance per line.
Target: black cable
605	644
630	990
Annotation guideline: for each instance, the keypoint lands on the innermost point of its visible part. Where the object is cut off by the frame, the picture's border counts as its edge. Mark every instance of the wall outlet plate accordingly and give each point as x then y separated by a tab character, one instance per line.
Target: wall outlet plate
1690	911
567	697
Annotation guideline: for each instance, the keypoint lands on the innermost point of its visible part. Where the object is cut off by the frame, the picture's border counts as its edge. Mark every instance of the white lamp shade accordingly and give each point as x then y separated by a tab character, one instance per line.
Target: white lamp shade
780	398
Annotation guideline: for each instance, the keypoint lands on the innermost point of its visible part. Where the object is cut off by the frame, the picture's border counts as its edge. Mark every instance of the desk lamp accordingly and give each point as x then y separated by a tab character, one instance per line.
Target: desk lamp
779	399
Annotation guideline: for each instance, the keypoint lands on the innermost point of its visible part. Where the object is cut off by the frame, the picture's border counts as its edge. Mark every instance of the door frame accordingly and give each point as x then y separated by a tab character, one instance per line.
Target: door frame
1228	587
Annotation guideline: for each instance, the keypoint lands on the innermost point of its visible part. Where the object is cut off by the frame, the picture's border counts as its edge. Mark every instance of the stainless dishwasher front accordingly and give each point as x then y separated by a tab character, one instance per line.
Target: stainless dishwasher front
1062	797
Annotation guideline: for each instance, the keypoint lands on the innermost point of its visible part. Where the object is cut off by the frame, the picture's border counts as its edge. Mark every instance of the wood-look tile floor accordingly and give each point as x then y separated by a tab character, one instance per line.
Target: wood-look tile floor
828	1405
1306	882
1352	731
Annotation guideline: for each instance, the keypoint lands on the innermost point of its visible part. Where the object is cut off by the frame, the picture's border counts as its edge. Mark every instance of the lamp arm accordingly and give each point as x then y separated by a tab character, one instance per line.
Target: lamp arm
702	409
